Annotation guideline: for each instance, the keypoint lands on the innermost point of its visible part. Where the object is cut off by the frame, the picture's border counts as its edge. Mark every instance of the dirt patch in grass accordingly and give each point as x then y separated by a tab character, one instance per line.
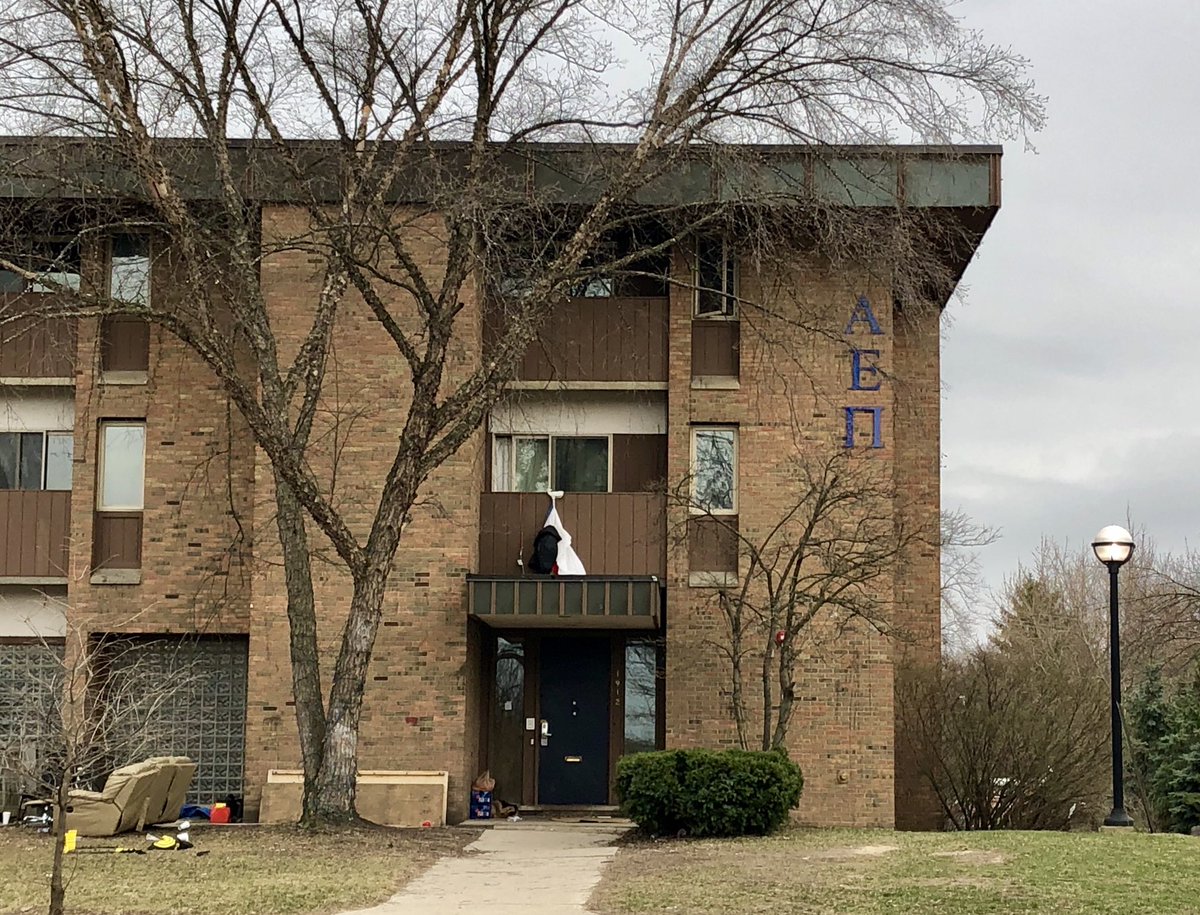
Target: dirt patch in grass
245	870
818	872
972	856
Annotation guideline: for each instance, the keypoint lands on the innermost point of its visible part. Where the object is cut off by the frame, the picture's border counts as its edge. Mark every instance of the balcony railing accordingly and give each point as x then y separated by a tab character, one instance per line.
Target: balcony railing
614	533
596	340
34	531
34	347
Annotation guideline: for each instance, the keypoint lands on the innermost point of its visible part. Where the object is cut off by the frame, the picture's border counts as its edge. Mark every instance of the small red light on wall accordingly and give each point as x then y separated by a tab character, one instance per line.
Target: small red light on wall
780	637
411	719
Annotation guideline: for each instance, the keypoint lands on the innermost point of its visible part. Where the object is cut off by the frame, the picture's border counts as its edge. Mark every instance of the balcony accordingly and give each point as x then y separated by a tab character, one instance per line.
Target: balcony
596	341
619	536
34	533
614	533
32	348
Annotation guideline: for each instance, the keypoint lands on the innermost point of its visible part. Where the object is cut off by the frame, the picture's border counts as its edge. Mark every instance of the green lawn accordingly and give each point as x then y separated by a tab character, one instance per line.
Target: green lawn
857	872
244	871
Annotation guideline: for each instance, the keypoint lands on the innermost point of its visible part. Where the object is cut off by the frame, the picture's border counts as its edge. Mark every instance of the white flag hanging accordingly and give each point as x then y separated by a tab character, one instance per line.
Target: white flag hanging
569	562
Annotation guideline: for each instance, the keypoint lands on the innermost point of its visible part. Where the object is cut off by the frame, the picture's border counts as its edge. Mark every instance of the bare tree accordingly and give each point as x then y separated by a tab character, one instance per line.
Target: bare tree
92	706
176	118
819	567
1006	740
964	617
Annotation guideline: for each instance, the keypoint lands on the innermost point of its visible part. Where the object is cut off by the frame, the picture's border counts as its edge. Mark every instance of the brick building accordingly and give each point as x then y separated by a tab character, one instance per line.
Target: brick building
132	500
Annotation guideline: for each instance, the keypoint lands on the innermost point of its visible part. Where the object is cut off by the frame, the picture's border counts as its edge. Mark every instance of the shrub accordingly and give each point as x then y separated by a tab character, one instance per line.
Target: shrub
709	793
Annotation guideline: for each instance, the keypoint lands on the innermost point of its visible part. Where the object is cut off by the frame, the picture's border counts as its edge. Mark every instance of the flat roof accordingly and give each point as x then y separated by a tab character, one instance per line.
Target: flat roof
918	176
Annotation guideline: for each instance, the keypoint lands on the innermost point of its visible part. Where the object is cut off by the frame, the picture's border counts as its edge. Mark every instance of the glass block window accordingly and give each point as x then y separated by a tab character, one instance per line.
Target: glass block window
30	681
201	715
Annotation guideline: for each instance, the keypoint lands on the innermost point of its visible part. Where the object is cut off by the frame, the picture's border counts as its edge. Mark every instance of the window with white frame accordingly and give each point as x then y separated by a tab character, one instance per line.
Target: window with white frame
716	278
129	269
714	470
122	467
529	463
36	460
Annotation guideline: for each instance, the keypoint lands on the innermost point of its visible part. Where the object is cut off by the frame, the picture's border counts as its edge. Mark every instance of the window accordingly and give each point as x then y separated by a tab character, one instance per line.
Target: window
36	460
716	279
122	467
596	287
528	463
641	696
129	269
120	488
714	470
125	340
57	260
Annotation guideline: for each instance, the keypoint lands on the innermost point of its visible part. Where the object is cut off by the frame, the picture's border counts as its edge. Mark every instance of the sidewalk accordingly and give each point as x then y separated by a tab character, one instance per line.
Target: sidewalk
534	868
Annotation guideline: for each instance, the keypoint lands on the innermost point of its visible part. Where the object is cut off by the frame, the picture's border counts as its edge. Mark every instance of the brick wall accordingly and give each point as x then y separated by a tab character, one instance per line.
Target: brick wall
918	584
795	372
421	679
206	486
197	518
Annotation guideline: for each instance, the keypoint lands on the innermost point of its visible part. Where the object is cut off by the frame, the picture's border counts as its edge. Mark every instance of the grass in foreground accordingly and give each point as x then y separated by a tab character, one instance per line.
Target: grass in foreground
859	872
246	871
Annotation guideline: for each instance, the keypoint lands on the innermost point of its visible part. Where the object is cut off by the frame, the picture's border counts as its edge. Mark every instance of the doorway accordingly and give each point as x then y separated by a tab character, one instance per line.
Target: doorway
561	709
573	747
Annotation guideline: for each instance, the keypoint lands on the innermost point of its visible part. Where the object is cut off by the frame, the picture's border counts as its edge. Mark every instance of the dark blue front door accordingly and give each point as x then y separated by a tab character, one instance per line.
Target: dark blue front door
573	763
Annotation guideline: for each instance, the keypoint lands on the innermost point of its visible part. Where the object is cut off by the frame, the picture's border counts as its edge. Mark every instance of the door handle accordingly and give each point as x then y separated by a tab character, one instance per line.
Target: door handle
545	733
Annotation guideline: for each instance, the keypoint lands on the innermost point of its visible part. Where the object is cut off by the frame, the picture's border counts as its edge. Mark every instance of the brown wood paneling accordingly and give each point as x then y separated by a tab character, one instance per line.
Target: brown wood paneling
124	345
716	348
639	462
614	339
614	533
713	544
34	527
117	540
32	347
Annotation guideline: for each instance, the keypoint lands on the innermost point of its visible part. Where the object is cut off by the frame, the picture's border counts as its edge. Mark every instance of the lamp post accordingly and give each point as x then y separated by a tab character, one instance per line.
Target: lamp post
1113	546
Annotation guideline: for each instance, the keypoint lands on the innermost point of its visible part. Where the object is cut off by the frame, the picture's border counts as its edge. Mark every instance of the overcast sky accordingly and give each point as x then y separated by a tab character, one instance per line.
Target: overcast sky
1070	372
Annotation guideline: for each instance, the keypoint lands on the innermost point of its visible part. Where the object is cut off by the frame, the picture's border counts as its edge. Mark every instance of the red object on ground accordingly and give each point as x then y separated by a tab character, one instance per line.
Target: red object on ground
219	814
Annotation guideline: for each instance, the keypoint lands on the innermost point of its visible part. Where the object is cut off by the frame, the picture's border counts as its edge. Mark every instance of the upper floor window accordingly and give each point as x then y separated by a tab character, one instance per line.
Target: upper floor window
129	269
36	460
125	339
122	467
528	463
54	260
714	470
716	278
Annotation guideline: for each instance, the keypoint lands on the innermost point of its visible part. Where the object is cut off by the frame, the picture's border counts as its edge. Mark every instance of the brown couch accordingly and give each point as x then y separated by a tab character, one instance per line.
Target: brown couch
181	771
133	797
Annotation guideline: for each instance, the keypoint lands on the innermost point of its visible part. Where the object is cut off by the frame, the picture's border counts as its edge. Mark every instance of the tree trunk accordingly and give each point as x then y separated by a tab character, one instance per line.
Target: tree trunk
733	618
333	800
767	674
58	892
787	693
302	639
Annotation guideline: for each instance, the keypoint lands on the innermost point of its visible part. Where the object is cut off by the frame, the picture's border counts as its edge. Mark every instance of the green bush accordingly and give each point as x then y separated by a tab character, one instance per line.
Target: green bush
709	793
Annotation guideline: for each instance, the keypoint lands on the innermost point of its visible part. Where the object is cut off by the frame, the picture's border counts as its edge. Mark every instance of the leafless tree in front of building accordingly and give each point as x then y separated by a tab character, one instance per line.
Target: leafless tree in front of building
89	704
176	118
818	568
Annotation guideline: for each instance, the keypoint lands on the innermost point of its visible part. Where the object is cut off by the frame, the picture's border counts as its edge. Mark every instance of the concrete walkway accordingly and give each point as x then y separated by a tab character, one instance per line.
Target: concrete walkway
531	868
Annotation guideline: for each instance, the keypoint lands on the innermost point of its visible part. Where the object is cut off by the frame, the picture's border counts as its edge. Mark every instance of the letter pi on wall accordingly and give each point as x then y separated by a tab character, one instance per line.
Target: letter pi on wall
862	313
